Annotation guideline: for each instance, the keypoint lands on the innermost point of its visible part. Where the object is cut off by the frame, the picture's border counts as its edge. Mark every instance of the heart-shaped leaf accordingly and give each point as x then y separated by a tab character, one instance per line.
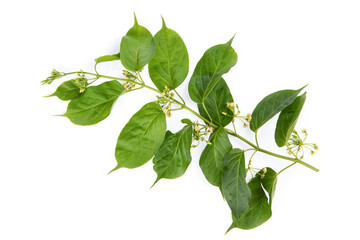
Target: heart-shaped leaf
215	62
233	183
271	105
170	64
287	120
212	158
259	204
215	105
141	137
136	47
95	104
173	157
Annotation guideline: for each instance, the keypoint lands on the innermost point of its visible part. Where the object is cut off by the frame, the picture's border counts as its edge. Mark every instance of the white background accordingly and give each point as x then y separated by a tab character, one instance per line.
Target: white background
53	174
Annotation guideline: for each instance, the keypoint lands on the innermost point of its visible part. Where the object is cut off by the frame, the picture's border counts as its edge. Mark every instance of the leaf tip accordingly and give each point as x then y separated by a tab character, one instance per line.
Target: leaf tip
303	87
163	22
231	39
116	168
229	229
157	179
62	115
135	20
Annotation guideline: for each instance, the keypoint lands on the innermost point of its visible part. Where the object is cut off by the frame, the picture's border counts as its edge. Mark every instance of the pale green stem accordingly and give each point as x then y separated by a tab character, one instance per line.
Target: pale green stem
256	139
287	167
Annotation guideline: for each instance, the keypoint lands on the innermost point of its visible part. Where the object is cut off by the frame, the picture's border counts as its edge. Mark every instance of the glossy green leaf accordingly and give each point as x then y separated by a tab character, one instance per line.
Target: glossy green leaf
108	58
233	183
141	137
95	104
173	157
215	62
170	64
67	90
287	120
259	205
212	158
136	47
271	105
215	105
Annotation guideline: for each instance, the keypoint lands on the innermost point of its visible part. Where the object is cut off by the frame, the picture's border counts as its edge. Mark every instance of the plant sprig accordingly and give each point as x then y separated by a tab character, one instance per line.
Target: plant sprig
146	137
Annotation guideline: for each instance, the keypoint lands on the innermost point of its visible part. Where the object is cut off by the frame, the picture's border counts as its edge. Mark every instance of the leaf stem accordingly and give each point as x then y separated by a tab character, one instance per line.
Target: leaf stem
286	168
256	138
249	164
207	113
179	96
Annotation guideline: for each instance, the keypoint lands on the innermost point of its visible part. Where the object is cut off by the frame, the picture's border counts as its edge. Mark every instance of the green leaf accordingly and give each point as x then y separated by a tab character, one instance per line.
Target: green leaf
170	64
173	157
269	182
233	183
67	90
259	205
141	137
215	105
271	105
215	62
108	58
287	120
95	104
212	158
136	47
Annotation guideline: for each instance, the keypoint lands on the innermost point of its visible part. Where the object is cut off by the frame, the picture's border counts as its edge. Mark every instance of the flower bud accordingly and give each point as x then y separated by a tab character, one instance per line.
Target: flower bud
249	117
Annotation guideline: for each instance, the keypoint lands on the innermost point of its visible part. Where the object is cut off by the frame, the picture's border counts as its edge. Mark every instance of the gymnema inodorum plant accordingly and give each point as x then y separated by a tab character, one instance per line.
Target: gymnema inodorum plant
145	136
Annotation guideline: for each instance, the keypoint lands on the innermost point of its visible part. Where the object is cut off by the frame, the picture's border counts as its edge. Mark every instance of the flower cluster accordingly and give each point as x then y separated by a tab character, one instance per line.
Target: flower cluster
297	145
234	108
54	75
130	76
165	100
201	132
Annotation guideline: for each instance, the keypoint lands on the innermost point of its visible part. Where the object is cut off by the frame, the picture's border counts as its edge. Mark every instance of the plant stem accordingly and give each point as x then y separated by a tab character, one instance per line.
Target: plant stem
256	139
255	146
286	168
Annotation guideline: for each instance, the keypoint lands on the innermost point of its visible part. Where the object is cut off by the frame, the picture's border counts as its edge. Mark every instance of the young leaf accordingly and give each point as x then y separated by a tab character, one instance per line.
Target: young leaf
287	120
233	183
215	62
271	105
170	64
67	90
95	104
107	58
141	137
173	157
215	104
136	47
259	205
212	158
